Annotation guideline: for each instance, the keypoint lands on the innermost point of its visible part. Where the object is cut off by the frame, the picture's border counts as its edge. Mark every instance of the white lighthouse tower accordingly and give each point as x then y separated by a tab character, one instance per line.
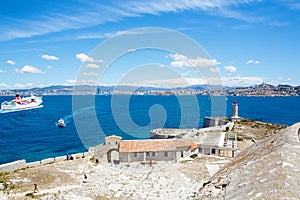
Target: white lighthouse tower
235	111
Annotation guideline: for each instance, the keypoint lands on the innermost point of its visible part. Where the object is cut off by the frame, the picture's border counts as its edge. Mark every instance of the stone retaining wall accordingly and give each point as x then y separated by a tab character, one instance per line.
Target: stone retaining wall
9	167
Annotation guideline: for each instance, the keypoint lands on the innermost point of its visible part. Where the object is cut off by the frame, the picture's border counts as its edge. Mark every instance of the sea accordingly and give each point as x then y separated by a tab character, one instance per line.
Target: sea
33	134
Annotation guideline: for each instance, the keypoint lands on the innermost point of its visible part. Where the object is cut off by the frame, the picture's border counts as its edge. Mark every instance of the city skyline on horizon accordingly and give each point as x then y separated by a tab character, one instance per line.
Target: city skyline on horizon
249	42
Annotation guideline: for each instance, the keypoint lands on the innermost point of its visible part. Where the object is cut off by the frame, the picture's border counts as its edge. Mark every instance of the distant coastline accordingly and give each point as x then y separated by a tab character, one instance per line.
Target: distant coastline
257	90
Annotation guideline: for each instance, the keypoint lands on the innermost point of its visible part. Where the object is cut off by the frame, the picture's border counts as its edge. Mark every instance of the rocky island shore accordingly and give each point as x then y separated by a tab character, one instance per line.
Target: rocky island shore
267	167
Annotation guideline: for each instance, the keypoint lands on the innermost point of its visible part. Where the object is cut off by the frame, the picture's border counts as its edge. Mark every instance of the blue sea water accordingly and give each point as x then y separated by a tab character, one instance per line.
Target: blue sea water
33	134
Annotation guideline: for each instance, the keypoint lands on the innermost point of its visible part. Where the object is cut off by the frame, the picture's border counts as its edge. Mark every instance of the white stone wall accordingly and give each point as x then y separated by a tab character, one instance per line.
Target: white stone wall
8	167
186	152
33	164
159	156
208	150
47	161
60	158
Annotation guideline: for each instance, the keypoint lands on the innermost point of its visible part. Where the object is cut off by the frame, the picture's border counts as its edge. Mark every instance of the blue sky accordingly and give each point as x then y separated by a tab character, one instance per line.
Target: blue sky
45	43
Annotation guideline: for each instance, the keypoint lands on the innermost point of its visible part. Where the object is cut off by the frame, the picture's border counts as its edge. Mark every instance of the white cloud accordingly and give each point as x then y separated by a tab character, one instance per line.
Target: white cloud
2	71
182	61
4	85
85	58
90	36
254	62
29	69
70	82
92	66
281	80
131	50
186	73
81	82
168	83
242	81
49	67
125	32
230	69
10	62
222	7
91	74
47	57
214	69
26	85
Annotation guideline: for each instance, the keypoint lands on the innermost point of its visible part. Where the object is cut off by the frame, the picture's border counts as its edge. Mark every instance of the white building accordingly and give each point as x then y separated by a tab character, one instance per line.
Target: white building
235	111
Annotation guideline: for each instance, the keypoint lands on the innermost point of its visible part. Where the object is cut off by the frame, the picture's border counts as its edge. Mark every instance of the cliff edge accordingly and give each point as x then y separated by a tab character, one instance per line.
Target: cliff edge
269	169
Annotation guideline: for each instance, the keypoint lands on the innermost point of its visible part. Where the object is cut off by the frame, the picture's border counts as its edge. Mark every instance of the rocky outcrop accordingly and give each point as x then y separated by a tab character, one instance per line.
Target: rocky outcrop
269	169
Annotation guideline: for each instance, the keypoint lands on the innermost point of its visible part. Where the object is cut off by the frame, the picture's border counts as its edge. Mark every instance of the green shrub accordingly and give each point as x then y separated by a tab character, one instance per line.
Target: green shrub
92	159
240	138
194	156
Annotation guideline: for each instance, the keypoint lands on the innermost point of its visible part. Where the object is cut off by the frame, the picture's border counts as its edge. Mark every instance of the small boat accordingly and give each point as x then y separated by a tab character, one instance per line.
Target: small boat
19	103
61	123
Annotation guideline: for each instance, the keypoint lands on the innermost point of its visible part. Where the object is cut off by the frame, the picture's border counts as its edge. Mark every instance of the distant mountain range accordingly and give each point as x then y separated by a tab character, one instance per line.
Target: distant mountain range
262	89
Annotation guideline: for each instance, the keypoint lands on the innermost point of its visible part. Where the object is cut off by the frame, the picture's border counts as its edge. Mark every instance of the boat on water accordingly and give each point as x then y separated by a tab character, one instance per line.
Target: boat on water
61	123
19	103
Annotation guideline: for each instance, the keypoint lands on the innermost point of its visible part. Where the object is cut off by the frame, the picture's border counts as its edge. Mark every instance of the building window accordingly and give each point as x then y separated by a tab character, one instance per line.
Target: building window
181	154
135	154
166	154
200	150
147	154
116	143
153	154
213	151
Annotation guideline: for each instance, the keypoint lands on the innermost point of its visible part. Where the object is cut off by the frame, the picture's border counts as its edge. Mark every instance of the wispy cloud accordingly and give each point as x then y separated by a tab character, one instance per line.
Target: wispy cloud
23	85
29	69
47	57
81	82
214	69
1	71
255	62
92	66
91	74
72	17
168	83
293	5
4	85
49	67
90	36
131	50
242	81
226	9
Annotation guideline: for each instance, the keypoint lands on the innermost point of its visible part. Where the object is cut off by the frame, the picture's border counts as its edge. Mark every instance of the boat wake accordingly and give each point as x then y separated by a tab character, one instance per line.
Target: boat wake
68	118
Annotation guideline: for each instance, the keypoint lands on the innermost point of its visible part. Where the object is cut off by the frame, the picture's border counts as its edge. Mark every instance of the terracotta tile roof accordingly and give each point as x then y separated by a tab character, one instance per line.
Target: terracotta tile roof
193	145
152	145
181	143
